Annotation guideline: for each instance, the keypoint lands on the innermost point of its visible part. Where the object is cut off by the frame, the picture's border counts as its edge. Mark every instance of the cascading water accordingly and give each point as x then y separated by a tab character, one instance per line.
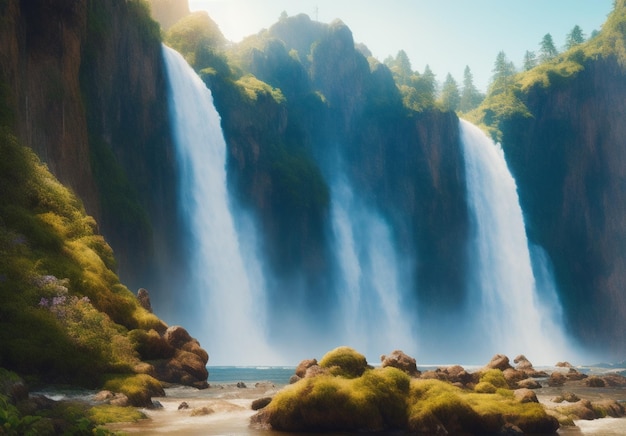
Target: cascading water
372	281
228	314
505	295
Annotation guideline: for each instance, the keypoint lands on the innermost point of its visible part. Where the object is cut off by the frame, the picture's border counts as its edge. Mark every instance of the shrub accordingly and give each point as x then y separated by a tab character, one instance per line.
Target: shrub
494	377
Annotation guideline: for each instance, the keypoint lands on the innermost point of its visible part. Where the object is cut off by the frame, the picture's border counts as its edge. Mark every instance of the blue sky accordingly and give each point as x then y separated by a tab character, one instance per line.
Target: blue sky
445	34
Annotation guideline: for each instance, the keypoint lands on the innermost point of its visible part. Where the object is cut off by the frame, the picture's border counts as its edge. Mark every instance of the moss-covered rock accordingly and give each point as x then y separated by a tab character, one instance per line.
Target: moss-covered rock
385	399
345	362
139	388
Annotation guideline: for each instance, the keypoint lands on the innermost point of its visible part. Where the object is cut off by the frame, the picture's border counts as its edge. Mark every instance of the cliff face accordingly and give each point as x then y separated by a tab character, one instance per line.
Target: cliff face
89	95
40	52
343	116
570	164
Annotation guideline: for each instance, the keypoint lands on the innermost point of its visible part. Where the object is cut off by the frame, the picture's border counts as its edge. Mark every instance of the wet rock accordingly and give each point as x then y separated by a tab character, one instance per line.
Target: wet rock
202	411
156	405
573	374
402	361
557	379
183	406
241	385
260	403
529	383
610	408
595	382
614	380
112	398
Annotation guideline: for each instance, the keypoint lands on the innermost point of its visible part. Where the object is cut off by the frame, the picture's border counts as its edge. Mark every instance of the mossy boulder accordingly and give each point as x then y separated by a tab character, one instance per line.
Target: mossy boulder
345	362
387	399
139	388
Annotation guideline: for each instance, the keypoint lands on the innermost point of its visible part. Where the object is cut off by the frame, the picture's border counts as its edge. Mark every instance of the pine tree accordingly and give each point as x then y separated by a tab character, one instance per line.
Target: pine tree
530	60
503	70
574	38
450	96
470	96
547	51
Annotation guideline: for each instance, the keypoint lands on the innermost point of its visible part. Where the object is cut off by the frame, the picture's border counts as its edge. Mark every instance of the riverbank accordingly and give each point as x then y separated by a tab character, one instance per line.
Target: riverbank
225	407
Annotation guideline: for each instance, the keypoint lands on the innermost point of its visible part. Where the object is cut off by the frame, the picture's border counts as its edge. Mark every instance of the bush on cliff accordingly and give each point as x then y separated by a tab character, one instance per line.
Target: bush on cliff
64	315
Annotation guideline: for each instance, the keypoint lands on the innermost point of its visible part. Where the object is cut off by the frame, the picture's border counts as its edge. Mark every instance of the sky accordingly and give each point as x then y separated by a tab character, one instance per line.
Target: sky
446	35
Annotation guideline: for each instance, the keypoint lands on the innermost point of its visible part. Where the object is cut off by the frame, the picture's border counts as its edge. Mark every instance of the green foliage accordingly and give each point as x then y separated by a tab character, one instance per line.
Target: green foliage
139	388
574	37
149	30
192	33
253	88
106	414
345	362
547	50
450	97
116	192
12	422
470	96
64	315
495	377
373	402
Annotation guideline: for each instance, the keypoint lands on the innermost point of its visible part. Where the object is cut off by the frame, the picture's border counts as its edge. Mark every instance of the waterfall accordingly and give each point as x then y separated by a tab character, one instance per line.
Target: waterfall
372	281
506	304
226	287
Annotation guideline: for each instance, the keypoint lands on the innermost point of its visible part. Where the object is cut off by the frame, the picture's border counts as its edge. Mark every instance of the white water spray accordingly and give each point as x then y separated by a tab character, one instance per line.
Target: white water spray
372	278
229	314
505	300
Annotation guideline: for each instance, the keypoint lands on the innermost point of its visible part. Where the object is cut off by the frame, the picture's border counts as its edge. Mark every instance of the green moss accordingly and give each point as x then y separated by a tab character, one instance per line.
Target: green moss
495	377
106	414
344	361
139	388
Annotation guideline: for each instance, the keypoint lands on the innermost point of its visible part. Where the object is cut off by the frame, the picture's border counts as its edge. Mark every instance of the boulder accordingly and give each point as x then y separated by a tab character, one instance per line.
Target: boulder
615	380
563	365
304	365
529	383
557	379
187	366
260	403
314	371
595	382
398	359
574	374
522	363
499	361
513	376
524	395
144	299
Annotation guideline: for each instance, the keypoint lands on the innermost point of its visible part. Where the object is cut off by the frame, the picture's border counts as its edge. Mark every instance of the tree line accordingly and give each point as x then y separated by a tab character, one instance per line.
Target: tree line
421	90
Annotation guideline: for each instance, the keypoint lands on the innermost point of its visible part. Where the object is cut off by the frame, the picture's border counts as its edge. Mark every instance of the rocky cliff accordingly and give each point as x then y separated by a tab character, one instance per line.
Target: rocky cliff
88	90
568	157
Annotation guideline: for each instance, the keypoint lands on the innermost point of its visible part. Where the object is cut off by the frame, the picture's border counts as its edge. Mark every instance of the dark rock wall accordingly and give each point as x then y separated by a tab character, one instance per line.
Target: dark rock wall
569	161
88	88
